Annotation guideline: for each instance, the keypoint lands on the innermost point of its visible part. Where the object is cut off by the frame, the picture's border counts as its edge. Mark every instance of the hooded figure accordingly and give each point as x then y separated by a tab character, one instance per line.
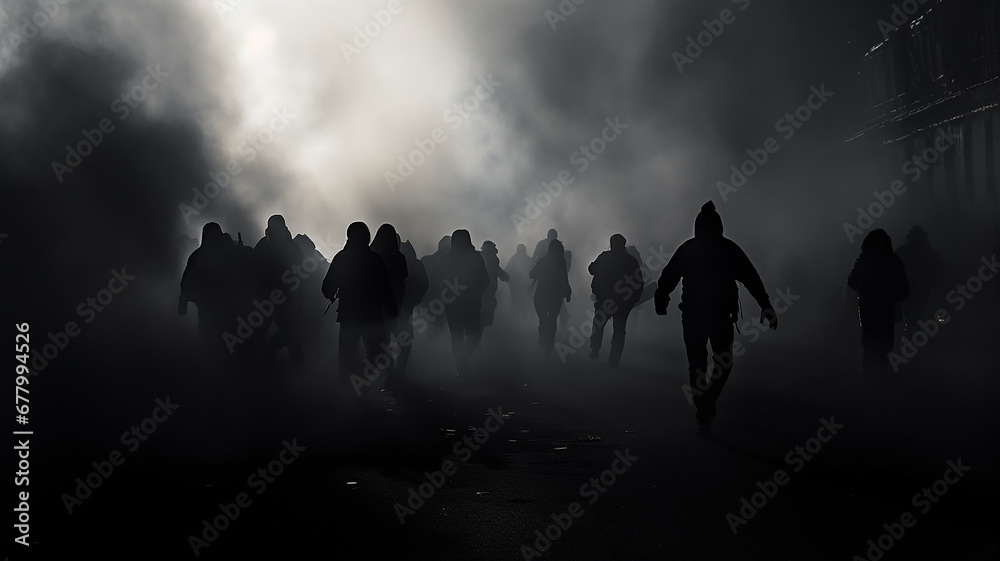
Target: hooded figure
210	280
518	268
880	281
617	288
464	281
386	245
493	270
358	278
275	255
710	265
416	287
552	289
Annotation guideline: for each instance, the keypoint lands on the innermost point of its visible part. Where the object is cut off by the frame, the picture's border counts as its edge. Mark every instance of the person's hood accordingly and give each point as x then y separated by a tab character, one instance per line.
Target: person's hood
708	223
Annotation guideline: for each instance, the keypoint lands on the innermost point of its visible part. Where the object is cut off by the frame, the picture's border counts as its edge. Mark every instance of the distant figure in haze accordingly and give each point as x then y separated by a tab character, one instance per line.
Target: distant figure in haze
494	272
552	288
518	268
710	265
880	281
275	254
464	281
209	280
564	310
924	273
431	265
416	287
542	247
386	245
308	283
617	288
359	279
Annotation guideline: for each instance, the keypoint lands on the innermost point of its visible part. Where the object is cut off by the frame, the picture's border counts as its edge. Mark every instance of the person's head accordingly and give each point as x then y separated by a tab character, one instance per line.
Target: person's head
489	248
406	248
878	241
521	249
917	235
385	239
276	229
617	242
708	222
211	234
358	234
461	241
552	234
556	250
444	243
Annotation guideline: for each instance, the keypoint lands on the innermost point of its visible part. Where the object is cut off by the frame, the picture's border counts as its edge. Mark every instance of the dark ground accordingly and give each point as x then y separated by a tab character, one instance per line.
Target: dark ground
565	422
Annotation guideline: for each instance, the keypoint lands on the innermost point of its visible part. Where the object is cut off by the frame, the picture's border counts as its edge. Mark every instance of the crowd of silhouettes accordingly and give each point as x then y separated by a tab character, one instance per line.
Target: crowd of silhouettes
382	290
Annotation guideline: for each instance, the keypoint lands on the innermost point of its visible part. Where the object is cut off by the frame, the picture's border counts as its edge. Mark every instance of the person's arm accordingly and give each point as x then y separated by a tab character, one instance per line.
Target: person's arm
385	287
331	283
669	277
502	274
854	279
902	283
748	276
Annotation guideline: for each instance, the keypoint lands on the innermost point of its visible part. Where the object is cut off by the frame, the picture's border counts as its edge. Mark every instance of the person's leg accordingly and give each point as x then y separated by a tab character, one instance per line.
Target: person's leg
597	336
540	311
721	338
453	314
695	343
404	331
618	336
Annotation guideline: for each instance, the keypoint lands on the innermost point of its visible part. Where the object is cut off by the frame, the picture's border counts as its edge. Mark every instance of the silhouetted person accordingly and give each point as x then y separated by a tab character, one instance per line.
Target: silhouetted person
431	265
214	279
924	273
616	292
710	265
880	281
464	280
518	268
542	247
495	274
275	255
358	278
564	309
386	245
552	288
416	287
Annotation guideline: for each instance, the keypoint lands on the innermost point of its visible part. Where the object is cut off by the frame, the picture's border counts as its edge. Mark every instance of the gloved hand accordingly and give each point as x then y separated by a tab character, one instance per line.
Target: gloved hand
769	316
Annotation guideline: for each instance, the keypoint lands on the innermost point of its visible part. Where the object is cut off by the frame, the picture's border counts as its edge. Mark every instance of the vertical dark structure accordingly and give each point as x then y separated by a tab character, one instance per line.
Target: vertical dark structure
941	70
